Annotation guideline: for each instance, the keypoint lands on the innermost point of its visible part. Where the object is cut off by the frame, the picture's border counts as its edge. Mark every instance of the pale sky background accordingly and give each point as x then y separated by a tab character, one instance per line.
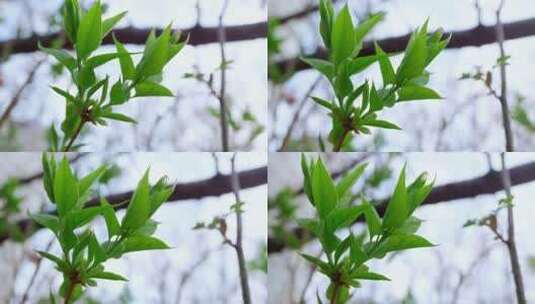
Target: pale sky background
421	269
146	270
186	124
420	121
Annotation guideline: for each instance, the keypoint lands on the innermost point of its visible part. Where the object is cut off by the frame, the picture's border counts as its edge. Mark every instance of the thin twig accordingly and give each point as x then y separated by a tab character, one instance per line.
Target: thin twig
297	113
34	274
16	98
500	37
222	103
244	281
511	243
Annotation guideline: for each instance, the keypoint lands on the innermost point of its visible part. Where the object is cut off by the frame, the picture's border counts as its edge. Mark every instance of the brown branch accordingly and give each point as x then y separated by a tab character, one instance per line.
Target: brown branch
489	183
214	186
244	281
198	36
301	14
511	243
16	98
478	36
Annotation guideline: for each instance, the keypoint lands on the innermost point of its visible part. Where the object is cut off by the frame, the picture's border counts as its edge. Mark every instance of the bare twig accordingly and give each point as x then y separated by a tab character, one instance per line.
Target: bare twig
186	276
511	243
297	113
244	281
222	103
34	274
500	37
16	98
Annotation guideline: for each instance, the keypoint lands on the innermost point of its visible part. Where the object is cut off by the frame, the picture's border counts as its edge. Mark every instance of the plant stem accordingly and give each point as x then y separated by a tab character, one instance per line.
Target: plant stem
340	143
336	290
70	291
222	103
67	148
511	243
244	281
500	37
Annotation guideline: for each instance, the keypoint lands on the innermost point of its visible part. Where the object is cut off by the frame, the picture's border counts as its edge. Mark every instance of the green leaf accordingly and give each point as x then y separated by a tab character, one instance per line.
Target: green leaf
159	194
143	242
413	62
108	276
53	258
381	124
325	267
323	66
397	242
65	94
326	22
397	209
307	184
414	92
49	171
323	190
119	93
127	64
410	226
359	64
365	275
112	224
372	218
71	19
418	191
148	88
87	181
365	27
387	70
82	217
49	221
62	56
65	188
89	34
342	217
324	103
119	117
349	180
101	59
343	40
139	208
356	253
155	55
108	24
86	77
96	252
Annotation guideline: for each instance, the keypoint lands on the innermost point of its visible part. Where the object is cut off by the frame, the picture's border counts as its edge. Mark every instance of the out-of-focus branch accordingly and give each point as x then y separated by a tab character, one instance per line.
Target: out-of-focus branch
16	98
215	186
489	183
223	84
198	36
477	36
511	242
300	14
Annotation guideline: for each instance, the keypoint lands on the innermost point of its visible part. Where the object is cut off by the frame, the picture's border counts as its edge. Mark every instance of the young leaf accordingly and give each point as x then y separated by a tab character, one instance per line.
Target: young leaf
323	66
82	217
365	27
365	275
127	64
148	88
343	39
324	103
62	56
119	117
387	70
87	181
397	209
326	23
65	188
108	276
143	242
155	55
413	62
112	224
139	208
119	93
108	24
349	180
414	92
381	124
49	221
342	217
372	218
89	34
397	242
323	190
71	19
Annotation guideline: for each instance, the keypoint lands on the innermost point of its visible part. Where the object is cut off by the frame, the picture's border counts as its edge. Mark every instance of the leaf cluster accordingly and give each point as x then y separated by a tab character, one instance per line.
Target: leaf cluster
344	41
11	201
346	257
95	98
83	254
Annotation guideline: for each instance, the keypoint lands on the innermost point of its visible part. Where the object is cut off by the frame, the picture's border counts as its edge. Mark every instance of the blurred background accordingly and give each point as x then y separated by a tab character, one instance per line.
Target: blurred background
187	123
468	266
198	268
468	119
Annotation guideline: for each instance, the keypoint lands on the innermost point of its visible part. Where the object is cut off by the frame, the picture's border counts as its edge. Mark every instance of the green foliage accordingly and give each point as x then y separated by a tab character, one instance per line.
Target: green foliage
86	30
346	257
83	254
344	41
10	205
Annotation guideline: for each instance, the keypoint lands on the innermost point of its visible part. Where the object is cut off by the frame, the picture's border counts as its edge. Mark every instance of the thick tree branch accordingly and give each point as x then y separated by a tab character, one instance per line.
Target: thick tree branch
214	186
486	184
478	36
198	36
